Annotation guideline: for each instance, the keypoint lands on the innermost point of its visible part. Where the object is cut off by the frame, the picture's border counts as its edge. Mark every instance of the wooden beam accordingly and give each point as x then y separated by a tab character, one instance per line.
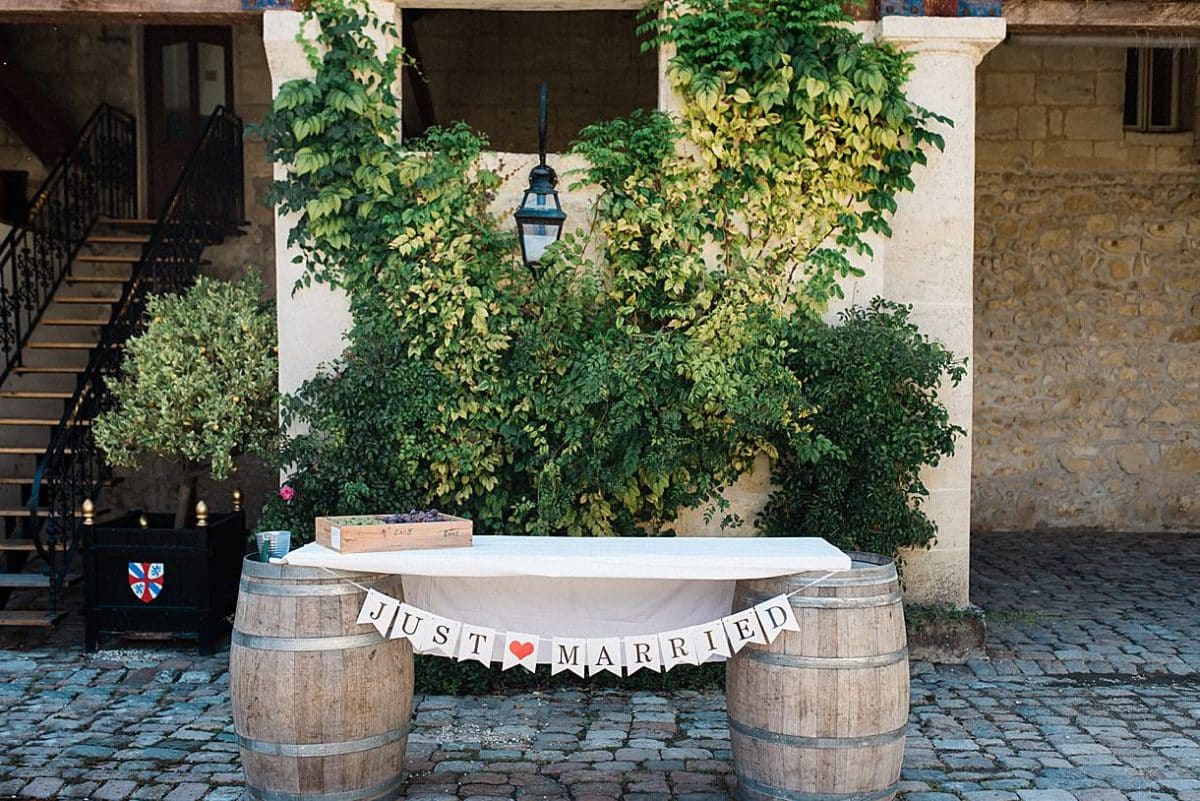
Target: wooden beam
524	5
1097	17
176	12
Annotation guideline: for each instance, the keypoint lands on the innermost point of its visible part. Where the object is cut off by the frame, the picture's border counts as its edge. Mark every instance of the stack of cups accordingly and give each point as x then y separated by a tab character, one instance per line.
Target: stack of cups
273	544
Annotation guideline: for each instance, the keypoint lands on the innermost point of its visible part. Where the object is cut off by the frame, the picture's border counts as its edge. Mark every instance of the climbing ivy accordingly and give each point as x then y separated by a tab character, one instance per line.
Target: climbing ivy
652	357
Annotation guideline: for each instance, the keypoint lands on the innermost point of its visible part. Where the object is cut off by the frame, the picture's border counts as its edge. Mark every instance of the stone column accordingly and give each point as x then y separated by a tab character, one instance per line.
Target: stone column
313	320
929	264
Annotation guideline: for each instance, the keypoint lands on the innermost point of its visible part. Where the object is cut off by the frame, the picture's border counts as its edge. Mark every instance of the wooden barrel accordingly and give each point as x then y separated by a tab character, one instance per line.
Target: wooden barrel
820	714
321	705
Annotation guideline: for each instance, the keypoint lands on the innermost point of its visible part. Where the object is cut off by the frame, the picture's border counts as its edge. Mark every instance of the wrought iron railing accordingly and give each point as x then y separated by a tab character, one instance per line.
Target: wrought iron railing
97	177
206	205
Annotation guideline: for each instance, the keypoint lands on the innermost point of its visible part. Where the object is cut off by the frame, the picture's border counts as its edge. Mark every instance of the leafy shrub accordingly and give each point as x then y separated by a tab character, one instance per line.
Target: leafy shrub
872	381
655	354
199	385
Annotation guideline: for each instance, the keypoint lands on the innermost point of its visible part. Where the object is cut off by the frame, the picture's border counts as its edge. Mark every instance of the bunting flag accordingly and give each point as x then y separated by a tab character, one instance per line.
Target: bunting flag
584	656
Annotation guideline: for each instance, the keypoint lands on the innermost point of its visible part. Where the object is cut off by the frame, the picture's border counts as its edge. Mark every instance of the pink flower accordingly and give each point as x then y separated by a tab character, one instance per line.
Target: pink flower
287	493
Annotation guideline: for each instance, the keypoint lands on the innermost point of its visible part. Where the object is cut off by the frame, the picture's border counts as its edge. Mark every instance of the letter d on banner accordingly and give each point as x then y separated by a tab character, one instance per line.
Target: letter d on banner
776	616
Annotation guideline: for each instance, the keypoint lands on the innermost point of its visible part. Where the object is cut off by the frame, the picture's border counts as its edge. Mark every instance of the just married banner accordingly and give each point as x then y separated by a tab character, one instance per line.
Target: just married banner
584	656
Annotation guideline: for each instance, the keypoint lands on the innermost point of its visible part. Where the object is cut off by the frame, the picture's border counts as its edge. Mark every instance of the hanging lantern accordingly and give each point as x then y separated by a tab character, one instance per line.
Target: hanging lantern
540	217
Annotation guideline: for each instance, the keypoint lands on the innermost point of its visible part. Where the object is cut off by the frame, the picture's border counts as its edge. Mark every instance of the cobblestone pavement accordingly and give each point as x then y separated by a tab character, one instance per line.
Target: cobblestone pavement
1092	694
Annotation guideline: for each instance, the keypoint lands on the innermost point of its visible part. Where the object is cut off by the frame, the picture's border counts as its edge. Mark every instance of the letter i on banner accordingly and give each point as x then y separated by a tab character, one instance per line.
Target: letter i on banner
476	644
642	652
379	610
568	653
776	616
710	640
520	649
604	654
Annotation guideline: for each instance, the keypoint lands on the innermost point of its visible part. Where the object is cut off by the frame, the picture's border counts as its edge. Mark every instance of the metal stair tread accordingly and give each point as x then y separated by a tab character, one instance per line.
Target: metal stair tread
68	345
88	258
28	394
17	544
40	421
49	370
21	581
117	239
29	617
95	279
83	300
81	322
25	450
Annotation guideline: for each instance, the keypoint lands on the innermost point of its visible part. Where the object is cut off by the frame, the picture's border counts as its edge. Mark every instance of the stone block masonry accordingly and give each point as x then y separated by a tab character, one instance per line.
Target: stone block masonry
1087	324
1087	302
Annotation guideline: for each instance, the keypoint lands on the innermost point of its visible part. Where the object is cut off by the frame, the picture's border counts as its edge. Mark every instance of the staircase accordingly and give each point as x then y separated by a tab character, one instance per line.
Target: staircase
54	377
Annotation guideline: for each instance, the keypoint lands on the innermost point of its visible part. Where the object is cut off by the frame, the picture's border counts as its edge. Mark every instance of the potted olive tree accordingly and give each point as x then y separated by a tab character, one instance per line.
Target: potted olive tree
198	389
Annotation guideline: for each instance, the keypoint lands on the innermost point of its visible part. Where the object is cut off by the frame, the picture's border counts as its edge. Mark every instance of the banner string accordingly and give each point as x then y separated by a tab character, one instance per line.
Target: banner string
796	591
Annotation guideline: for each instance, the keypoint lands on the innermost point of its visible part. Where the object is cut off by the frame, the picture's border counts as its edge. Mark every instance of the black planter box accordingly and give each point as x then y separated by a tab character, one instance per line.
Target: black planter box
162	579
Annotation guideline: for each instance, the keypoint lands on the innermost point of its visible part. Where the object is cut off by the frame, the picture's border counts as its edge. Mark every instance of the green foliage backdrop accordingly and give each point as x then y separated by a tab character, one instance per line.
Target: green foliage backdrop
659	349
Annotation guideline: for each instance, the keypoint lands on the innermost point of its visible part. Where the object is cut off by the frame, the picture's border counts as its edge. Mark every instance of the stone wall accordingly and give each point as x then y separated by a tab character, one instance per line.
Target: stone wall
1087	303
78	67
484	67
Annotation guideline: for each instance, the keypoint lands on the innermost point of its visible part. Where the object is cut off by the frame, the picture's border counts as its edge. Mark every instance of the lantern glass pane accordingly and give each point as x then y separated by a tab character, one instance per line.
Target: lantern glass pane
537	236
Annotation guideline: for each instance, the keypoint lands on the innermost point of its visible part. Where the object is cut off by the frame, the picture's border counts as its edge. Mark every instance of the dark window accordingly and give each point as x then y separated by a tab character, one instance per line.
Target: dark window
1158	89
484	68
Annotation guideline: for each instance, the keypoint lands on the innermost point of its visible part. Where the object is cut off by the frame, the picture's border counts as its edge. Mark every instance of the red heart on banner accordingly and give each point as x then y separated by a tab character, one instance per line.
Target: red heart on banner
520	649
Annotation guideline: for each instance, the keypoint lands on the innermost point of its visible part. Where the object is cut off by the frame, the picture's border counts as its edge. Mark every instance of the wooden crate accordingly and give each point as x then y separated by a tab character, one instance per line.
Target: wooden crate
347	535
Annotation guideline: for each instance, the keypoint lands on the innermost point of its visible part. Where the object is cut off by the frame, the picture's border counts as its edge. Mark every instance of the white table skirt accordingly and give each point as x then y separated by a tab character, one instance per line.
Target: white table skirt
584	587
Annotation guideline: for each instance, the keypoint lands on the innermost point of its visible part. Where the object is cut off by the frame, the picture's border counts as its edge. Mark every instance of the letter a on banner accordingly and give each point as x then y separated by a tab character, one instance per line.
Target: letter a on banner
568	653
520	649
379	610
604	654
776	616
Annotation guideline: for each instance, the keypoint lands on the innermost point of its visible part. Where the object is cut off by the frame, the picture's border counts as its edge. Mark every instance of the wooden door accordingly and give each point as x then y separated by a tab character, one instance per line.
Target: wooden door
189	72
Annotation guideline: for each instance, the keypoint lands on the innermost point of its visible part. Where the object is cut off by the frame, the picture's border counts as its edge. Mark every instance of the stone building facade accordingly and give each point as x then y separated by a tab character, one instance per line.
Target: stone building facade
1087	300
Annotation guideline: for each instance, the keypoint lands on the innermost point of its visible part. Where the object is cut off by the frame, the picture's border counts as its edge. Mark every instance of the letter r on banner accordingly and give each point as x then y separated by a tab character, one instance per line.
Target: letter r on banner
642	652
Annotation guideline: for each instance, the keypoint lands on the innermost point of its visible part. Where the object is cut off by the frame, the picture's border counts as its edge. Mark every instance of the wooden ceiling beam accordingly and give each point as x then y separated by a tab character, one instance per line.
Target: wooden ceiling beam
1099	17
176	12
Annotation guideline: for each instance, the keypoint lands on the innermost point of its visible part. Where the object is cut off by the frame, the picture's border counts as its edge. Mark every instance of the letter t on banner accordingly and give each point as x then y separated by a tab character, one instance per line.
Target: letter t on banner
476	644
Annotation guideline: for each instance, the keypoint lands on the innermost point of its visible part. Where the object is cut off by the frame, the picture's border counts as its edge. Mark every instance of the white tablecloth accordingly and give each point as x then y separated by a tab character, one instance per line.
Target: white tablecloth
584	587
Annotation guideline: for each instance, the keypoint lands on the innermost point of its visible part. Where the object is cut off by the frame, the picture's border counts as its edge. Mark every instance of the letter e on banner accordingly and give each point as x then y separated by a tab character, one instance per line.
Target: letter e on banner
520	649
604	654
568	653
476	644
776	616
642	652
379	610
743	628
